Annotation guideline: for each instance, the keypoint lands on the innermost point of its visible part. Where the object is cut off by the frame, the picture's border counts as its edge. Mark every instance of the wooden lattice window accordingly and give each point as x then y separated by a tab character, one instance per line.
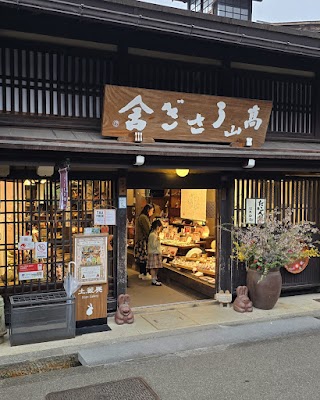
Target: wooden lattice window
31	207
292	99
52	83
174	76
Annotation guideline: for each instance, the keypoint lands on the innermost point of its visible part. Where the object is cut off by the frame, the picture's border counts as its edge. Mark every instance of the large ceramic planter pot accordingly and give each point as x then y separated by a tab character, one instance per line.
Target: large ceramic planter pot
264	294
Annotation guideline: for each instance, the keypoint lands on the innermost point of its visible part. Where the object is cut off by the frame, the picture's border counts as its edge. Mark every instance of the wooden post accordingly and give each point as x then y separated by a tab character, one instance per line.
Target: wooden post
121	250
316	96
224	277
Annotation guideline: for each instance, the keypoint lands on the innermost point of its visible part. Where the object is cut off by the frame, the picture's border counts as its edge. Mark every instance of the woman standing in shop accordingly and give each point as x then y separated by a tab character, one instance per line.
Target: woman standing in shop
142	230
154	251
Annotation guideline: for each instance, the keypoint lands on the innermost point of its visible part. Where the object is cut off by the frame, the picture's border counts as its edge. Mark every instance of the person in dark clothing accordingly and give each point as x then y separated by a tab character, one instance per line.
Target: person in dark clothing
142	230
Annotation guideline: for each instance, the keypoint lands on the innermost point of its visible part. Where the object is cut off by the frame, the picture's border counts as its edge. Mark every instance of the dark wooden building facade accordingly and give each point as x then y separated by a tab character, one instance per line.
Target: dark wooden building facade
55	59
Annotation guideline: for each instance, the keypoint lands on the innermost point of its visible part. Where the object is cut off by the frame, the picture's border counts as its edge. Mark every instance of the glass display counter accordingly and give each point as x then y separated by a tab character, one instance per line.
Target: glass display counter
196	272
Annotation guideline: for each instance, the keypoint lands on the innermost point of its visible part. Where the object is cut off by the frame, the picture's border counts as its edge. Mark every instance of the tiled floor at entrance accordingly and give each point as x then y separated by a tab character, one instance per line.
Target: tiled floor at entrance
142	293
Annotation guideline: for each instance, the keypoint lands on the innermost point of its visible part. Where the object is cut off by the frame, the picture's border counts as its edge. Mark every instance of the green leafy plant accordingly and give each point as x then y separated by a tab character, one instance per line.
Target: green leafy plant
274	243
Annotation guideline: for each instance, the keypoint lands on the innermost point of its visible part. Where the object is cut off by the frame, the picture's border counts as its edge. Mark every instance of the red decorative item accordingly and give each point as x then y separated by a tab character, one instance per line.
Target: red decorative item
104	229
297	266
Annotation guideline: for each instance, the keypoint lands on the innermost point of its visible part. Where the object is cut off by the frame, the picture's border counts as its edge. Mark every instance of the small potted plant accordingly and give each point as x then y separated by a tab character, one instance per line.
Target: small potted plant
266	247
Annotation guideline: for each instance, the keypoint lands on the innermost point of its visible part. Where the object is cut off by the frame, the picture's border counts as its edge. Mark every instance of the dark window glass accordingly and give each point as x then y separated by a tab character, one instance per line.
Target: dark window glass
237	9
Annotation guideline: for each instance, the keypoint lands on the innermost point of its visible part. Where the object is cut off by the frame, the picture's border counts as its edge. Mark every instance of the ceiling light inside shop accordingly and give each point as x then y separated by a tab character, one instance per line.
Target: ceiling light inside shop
27	182
182	172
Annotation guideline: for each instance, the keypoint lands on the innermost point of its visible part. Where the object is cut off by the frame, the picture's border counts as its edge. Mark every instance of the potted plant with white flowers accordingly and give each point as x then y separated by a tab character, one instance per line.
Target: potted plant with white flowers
276	242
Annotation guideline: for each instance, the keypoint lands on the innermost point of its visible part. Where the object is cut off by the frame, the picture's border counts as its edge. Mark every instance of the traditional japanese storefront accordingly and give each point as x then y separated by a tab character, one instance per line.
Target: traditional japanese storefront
52	89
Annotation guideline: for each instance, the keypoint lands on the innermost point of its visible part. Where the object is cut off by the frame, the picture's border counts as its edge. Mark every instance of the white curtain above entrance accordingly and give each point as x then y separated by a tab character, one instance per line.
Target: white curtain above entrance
193	204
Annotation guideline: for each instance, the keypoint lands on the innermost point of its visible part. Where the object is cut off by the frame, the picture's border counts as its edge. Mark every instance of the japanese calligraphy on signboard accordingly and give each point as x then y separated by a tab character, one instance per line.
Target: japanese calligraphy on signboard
143	114
91	257
255	211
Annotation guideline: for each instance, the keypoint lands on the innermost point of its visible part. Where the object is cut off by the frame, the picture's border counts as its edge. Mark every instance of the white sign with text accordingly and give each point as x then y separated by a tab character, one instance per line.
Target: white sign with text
105	217
255	211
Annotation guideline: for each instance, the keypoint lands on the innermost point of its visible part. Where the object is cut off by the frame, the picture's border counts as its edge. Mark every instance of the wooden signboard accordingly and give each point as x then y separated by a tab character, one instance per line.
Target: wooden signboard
91	302
137	114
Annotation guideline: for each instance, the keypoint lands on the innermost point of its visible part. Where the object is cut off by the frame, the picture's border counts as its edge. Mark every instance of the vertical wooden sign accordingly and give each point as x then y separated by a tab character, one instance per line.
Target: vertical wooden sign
91	302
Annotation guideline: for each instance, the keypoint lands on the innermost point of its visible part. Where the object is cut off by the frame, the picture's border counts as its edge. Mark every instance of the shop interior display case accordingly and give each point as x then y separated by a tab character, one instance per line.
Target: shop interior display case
189	262
188	250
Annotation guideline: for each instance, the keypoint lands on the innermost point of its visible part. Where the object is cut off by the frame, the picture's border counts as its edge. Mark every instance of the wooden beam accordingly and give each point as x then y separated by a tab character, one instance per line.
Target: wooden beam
121	249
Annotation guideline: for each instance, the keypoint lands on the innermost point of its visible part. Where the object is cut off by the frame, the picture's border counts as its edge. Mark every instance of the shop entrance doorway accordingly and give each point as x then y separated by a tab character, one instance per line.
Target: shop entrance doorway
188	245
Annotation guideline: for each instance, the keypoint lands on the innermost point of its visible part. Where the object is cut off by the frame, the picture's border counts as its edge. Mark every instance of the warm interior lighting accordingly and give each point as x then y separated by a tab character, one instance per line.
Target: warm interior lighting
182	172
27	182
43	181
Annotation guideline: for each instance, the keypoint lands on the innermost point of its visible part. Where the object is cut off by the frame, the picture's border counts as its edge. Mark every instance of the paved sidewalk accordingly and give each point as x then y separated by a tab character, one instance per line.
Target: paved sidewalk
159	321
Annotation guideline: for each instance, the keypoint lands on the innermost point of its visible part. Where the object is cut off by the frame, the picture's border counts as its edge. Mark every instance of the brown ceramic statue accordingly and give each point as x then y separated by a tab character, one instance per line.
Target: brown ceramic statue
242	302
124	314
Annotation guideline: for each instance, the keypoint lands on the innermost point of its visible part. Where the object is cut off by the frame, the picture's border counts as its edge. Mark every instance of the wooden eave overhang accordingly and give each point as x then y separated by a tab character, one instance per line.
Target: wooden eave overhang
166	20
297	156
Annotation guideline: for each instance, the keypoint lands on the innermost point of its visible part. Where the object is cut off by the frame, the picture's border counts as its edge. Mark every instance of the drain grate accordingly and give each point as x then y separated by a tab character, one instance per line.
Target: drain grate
39	366
125	389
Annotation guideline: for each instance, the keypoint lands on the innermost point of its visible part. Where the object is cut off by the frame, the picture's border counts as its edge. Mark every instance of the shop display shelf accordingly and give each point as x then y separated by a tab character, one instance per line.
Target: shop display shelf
188	280
41	317
199	269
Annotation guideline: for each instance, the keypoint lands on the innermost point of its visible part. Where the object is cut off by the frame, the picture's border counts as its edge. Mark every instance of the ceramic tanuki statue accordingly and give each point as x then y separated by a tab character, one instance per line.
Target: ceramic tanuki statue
242	302
124	314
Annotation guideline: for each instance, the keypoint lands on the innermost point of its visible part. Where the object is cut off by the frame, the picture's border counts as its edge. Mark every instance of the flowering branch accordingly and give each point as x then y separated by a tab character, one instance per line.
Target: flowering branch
274	243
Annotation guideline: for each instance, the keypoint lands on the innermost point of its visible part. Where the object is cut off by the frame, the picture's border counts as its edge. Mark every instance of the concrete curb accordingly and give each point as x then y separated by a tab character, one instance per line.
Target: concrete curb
74	349
196	339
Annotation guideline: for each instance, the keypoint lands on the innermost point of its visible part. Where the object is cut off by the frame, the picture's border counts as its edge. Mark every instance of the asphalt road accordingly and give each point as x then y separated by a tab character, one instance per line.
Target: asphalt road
279	369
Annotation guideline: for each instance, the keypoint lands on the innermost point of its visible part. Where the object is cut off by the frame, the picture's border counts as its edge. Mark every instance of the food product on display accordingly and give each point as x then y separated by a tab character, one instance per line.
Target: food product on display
205	232
206	265
174	242
208	279
196	236
169	251
195	252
